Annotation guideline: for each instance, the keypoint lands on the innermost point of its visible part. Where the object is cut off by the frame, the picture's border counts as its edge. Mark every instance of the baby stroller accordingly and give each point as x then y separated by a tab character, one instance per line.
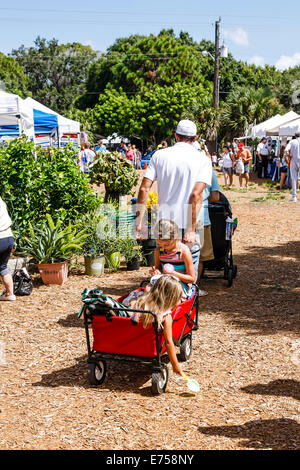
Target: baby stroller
119	338
223	259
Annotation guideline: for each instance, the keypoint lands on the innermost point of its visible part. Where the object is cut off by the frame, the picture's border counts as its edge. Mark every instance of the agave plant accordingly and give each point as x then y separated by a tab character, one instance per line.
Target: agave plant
51	243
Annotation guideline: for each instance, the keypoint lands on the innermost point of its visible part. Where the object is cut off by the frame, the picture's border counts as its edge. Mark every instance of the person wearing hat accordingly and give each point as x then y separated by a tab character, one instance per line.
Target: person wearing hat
181	174
263	154
246	157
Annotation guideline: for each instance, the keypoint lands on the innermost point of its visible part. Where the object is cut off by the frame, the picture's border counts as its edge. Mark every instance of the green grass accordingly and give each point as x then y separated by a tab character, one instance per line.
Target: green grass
269	197
251	187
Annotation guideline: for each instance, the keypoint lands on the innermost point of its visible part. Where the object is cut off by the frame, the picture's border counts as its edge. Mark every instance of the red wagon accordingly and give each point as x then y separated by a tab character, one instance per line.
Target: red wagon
119	338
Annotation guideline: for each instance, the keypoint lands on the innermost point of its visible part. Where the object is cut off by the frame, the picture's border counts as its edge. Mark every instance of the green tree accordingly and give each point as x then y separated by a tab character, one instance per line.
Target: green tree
144	61
56	72
245	105
151	114
12	77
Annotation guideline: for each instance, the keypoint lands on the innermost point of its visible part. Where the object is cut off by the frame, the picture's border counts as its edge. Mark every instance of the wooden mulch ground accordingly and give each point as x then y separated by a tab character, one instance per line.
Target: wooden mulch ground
246	356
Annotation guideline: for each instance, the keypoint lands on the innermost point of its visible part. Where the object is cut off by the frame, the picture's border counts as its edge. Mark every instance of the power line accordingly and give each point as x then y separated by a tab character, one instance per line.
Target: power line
142	13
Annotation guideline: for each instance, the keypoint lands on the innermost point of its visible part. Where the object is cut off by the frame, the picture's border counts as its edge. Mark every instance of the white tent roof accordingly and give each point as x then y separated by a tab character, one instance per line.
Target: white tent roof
65	125
282	121
14	111
260	129
272	125
290	129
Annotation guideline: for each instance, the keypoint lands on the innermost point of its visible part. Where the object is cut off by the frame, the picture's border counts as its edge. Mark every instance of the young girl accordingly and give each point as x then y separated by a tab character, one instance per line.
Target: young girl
161	299
172	256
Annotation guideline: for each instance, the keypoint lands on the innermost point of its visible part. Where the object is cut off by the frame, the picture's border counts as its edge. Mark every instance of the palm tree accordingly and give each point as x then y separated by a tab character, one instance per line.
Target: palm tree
243	106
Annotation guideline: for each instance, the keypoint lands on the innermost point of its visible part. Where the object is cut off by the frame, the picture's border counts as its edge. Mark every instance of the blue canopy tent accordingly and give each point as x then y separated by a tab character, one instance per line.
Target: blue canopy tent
44	123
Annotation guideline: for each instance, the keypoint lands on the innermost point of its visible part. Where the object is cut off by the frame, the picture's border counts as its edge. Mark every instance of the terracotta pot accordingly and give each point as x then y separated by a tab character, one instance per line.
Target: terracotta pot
54	273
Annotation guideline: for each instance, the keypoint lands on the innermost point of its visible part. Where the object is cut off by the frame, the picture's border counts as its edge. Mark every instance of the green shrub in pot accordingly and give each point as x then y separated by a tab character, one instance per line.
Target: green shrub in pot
50	244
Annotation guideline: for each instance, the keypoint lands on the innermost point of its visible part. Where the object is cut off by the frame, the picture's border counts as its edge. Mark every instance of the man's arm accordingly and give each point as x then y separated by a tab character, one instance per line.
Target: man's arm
141	204
214	197
194	208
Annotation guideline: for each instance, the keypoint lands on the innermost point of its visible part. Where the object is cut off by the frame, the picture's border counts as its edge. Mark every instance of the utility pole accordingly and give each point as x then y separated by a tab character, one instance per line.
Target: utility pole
217	57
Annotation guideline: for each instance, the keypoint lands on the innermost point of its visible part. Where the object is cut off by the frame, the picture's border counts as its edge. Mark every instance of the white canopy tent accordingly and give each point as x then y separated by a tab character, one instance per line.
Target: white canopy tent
288	118
65	125
16	116
272	125
260	130
289	130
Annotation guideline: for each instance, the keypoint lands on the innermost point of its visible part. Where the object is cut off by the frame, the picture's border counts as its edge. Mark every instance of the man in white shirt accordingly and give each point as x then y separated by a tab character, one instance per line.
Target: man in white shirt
295	165
181	177
86	158
263	154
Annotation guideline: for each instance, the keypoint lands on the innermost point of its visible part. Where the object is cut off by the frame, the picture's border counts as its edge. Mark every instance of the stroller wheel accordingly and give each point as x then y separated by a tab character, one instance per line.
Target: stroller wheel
160	380
234	271
230	277
186	349
97	372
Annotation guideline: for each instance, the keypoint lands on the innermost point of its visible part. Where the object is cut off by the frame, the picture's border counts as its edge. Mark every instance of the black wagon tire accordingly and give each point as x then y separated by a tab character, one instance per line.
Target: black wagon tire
160	380
97	372
230	277
186	349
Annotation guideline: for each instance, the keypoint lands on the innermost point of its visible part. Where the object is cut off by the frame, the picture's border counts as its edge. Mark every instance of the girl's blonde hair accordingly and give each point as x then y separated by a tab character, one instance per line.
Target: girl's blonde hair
163	296
167	229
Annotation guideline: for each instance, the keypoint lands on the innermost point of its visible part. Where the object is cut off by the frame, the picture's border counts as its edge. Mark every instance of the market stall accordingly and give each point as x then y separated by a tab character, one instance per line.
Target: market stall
16	117
290	129
67	129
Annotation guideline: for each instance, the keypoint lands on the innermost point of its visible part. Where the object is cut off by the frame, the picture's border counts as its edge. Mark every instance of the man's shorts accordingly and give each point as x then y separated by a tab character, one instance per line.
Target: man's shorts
207	251
246	168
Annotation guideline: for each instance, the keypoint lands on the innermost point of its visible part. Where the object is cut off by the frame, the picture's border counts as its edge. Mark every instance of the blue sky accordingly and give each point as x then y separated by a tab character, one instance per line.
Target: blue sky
259	32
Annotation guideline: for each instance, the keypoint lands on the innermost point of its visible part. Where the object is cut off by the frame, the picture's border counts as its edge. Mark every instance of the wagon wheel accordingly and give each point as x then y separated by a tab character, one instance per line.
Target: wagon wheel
160	380
96	372
186	349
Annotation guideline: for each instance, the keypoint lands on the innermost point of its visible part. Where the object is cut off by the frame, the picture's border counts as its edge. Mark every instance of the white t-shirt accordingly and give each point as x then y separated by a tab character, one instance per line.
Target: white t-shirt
295	150
263	149
86	159
196	145
5	221
227	162
177	169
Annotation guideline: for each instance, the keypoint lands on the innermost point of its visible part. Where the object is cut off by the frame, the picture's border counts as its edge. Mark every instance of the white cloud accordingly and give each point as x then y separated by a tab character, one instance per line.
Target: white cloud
286	61
88	42
257	60
238	36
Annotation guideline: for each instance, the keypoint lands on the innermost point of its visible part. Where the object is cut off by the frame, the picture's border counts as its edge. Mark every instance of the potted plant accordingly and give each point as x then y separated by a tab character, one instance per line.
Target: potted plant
51	246
112	252
132	253
116	173
92	248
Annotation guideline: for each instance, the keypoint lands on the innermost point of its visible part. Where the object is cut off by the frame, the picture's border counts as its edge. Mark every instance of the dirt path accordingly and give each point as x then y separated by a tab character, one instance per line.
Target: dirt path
246	356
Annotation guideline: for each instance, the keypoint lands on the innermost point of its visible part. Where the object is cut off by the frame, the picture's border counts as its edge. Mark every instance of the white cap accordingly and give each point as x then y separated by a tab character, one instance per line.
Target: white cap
187	128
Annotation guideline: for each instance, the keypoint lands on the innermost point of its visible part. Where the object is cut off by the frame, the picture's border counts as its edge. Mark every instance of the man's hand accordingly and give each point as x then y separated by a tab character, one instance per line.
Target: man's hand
190	237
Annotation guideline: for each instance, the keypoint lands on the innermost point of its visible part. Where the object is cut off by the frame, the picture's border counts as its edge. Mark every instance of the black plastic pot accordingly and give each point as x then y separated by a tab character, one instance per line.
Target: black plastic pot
149	243
133	265
149	258
148	248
